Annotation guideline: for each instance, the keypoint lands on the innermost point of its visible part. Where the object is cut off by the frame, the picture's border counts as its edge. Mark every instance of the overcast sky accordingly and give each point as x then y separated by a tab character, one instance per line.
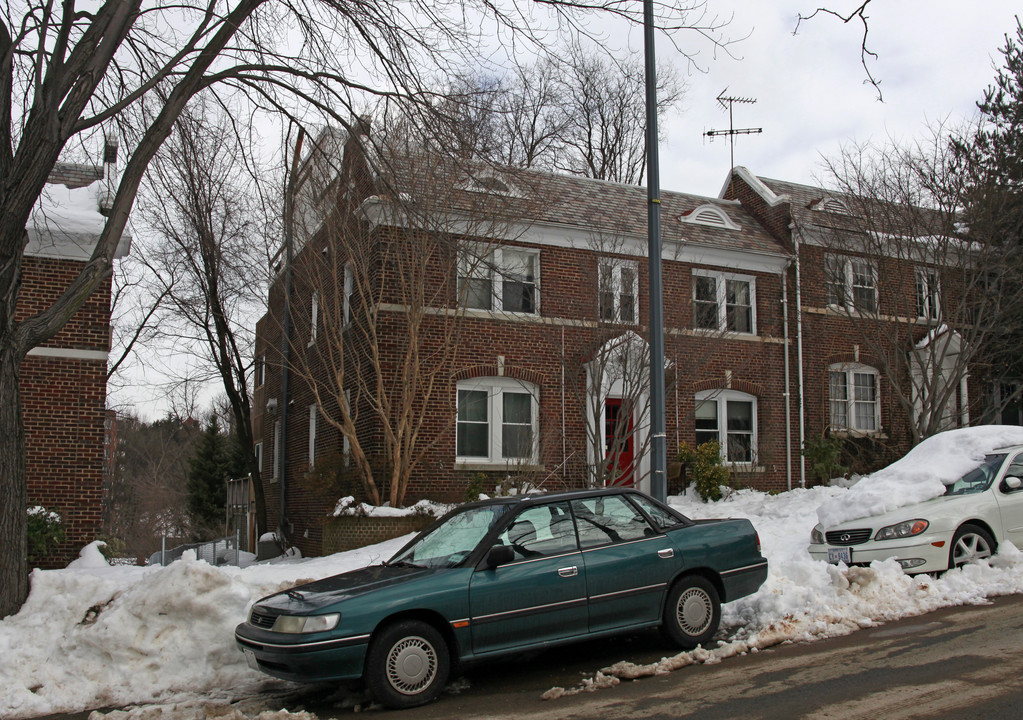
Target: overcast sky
935	58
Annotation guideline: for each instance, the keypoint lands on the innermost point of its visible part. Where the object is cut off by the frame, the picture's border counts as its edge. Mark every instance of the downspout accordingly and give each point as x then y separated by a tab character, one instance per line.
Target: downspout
284	527
788	371
799	360
564	426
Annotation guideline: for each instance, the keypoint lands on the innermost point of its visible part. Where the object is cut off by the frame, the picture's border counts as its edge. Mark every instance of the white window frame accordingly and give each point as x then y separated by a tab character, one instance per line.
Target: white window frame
314	316
495	388
721	281
722	397
851	425
260	370
277	450
313	411
844	265
349	290
490	263
258	451
612	269
927	288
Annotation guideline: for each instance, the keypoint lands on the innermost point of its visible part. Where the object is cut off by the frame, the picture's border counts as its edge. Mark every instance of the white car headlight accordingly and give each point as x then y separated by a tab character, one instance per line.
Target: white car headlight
906	529
817	536
305	623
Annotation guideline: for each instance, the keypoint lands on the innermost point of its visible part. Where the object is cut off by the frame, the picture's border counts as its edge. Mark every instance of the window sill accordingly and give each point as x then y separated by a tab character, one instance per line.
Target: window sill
723	333
848	434
484	466
500	314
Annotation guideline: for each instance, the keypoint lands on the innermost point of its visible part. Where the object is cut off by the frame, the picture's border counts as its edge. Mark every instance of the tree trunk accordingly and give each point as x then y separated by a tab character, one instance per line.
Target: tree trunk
13	518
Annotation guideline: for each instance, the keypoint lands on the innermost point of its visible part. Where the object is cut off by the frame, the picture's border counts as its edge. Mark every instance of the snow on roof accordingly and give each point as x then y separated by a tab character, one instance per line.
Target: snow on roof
66	223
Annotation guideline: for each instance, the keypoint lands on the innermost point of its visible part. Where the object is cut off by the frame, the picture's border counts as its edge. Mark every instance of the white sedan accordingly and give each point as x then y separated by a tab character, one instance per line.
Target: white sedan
977	511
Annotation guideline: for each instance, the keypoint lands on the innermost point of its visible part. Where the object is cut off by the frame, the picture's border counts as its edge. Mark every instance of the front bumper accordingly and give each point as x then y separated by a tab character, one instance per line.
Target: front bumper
926	554
291	657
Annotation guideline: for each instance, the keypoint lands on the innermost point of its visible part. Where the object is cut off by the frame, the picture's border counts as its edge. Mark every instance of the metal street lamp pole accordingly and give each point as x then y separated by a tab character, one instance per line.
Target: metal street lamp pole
658	438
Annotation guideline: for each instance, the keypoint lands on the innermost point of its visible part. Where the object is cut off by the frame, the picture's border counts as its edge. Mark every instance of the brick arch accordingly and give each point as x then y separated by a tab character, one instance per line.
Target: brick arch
851	359
747	386
493	370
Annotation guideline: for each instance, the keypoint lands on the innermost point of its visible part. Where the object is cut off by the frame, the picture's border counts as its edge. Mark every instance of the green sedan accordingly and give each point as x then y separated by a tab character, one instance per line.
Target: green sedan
503	576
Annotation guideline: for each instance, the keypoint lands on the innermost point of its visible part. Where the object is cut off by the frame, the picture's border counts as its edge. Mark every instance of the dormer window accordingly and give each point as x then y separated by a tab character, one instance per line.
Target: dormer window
831	205
711	216
490	184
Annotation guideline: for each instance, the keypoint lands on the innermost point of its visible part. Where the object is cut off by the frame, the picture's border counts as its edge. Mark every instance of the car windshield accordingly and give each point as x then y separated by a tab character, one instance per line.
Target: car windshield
979	479
450	543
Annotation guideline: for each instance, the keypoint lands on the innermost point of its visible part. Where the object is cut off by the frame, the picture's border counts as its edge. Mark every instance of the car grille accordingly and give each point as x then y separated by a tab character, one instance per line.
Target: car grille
261	619
848	537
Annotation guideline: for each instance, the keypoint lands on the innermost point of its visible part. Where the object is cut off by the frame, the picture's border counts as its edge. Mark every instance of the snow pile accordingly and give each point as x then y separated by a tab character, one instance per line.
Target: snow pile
921	475
348	506
98	636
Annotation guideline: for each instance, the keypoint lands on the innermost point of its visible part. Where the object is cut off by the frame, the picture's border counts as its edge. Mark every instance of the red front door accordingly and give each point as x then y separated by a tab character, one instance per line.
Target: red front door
618	442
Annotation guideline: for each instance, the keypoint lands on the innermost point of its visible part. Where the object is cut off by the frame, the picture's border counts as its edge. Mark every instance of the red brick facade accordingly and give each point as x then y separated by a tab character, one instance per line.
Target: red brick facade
63	386
736	245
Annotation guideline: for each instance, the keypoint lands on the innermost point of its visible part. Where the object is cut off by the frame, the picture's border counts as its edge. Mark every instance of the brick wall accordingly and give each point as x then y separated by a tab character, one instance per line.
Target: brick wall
63	400
352	531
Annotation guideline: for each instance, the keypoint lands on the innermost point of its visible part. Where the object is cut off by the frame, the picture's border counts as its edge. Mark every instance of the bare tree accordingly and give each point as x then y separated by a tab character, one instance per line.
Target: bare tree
65	74
584	114
207	259
389	308
923	295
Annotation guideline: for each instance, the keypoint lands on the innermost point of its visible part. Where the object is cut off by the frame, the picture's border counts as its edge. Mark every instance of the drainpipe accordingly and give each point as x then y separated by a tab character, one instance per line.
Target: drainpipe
289	250
788	379
799	360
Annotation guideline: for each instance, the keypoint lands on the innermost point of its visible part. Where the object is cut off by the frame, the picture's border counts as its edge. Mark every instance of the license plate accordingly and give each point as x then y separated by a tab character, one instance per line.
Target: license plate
840	555
250	658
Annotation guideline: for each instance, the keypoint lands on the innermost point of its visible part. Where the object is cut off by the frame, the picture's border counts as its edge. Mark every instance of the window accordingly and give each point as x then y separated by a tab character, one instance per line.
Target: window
617	291
314	317
499	279
927	294
724	302
277	450
729	418
259	456
609	519
312	434
854	398
851	283
260	370
496	421
541	531
349	293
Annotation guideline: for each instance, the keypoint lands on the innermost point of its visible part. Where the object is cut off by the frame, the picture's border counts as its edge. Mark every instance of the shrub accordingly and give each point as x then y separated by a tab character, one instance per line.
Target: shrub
825	456
474	488
708	473
45	533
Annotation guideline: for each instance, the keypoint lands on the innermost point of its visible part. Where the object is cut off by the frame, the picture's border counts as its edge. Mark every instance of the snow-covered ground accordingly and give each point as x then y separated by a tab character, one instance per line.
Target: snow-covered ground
99	636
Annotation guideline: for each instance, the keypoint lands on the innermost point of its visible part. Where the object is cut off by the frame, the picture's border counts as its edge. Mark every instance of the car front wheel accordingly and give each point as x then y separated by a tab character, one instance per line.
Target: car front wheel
692	612
969	544
407	664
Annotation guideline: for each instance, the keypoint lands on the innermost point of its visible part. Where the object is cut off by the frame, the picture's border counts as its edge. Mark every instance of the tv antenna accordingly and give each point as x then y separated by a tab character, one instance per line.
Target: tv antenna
727	101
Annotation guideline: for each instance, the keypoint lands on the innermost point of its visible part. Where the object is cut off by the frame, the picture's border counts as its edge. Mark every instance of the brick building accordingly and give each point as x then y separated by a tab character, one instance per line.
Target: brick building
532	304
63	382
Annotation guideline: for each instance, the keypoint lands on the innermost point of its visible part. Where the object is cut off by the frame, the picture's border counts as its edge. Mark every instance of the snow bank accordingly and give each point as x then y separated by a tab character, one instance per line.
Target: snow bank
98	636
921	475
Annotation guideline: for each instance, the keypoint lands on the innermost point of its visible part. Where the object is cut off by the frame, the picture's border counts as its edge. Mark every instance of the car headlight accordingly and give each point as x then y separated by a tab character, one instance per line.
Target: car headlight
817	536
902	530
305	623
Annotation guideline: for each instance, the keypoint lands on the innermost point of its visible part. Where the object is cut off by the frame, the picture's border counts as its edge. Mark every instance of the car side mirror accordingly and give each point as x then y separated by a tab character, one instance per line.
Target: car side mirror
499	555
1012	483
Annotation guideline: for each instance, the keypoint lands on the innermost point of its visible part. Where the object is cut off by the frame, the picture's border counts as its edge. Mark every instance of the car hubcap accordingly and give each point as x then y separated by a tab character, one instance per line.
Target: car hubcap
970	548
411	665
694	611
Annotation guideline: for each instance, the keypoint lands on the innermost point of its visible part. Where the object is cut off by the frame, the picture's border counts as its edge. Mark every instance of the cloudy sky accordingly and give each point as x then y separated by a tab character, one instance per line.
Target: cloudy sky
935	57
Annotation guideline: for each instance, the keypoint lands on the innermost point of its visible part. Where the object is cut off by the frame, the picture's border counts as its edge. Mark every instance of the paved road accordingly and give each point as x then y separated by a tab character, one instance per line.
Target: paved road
961	663
958	663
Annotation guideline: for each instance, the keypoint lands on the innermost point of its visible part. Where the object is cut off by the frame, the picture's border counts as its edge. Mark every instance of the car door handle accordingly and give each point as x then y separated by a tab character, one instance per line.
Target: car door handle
666	553
568	572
